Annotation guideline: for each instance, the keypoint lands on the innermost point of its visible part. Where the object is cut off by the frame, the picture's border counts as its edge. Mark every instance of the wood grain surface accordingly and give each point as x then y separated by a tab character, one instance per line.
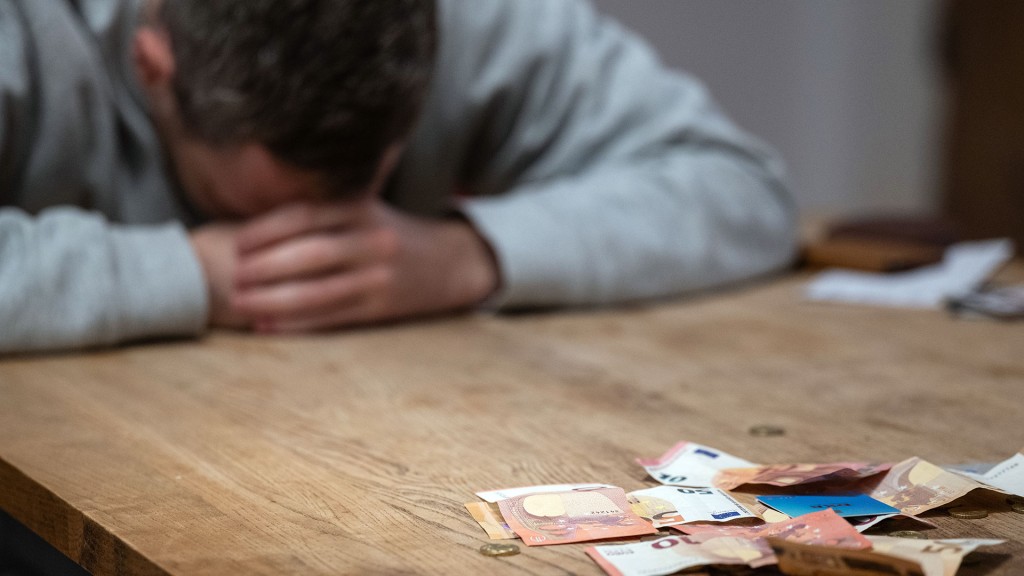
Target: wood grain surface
354	453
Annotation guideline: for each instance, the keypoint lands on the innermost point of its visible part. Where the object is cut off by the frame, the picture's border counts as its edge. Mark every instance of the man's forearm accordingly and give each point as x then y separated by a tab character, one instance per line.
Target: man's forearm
69	279
688	221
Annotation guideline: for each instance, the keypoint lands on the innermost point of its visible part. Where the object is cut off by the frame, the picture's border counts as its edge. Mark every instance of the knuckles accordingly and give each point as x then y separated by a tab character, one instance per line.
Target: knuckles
387	242
382	277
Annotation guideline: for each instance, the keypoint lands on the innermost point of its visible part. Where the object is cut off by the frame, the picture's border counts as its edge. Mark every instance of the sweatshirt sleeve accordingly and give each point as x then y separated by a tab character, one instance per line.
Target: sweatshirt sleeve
70	279
619	179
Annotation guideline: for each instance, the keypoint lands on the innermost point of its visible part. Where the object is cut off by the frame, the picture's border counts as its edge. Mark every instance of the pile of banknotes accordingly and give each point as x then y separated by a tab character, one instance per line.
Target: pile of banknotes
713	509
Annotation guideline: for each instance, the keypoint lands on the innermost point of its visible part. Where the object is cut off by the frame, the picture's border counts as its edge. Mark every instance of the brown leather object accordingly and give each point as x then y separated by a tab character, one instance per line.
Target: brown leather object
881	243
934	232
870	255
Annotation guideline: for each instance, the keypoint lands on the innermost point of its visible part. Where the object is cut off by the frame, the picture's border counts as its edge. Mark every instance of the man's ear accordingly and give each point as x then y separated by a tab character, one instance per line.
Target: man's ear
154	60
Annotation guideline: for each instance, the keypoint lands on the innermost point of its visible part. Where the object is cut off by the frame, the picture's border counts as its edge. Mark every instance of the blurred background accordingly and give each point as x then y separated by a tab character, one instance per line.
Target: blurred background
878	106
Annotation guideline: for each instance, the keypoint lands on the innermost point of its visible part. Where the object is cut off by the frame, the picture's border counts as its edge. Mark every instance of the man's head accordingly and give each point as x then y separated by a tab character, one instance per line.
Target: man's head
295	98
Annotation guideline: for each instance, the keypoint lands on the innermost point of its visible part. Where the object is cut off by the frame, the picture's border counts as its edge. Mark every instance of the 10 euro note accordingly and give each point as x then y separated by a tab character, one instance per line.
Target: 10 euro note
689	464
576	516
797	474
667	555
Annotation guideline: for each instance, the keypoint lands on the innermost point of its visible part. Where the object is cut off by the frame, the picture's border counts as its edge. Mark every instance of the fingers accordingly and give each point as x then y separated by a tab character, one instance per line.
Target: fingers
314	255
283	302
295	220
359	311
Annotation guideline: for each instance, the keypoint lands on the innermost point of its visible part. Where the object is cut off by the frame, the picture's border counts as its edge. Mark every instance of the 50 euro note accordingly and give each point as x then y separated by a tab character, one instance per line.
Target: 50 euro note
936	557
575	516
722	545
915	486
670	505
488	516
690	464
894	556
797	474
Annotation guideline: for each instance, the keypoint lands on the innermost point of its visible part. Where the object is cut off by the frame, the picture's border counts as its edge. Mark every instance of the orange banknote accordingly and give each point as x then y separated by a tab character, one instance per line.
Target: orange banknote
894	556
576	516
824	528
488	516
798	559
795	474
915	486
723	546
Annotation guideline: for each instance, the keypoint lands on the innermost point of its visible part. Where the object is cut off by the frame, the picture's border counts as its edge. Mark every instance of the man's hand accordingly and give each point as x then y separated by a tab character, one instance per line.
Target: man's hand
216	248
309	267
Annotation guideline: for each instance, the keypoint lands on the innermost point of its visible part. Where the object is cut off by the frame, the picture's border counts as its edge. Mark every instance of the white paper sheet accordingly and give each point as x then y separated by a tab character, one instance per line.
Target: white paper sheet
964	268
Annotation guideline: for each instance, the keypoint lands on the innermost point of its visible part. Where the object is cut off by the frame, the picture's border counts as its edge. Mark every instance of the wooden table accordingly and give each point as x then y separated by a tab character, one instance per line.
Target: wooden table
354	453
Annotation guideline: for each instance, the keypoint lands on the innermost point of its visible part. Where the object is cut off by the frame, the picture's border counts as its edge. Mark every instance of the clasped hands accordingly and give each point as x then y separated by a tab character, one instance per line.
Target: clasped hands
318	266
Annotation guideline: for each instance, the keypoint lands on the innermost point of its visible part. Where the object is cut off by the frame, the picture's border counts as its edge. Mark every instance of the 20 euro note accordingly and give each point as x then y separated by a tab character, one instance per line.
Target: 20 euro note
825	528
797	474
721	546
689	464
670	505
575	516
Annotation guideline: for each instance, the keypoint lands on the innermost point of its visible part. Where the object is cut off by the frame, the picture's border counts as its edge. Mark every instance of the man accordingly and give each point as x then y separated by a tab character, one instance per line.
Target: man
300	165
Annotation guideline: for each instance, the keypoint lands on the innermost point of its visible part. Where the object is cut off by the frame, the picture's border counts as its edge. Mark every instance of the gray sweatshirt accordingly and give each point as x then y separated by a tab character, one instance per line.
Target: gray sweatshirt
596	175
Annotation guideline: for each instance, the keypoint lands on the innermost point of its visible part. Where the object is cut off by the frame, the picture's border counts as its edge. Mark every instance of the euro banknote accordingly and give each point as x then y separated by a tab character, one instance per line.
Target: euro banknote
670	505
1007	475
722	545
915	486
575	516
895	556
796	474
488	516
689	464
825	528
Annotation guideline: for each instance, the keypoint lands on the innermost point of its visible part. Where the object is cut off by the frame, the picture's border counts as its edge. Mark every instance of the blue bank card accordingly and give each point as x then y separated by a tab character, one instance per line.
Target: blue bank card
847	505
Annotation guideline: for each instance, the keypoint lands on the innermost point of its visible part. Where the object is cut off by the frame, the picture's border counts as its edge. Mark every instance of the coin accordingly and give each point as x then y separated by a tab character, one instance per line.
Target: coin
499	549
767	430
908	534
968	513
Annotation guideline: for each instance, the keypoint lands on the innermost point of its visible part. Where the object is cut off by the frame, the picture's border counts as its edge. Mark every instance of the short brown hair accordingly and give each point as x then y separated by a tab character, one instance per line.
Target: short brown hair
325	85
